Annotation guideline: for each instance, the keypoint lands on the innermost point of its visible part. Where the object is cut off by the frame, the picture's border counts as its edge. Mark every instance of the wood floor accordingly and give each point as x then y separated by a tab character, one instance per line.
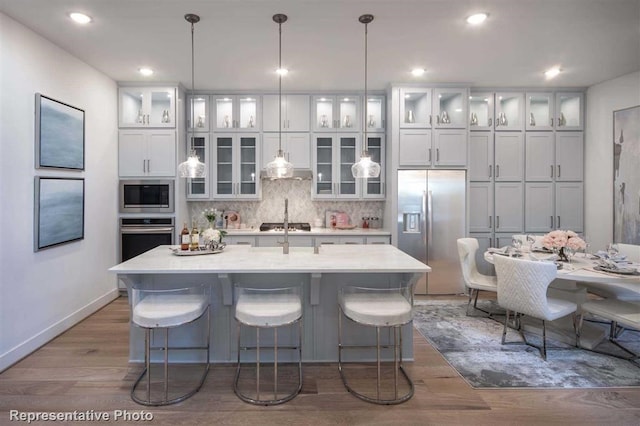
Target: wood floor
87	368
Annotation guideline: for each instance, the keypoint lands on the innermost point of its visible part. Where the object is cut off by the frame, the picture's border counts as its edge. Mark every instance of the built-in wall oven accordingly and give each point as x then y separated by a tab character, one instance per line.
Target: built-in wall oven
146	196
140	234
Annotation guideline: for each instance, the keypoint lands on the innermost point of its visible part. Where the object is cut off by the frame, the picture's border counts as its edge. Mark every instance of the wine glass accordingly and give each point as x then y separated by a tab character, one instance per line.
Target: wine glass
612	250
531	239
569	252
517	244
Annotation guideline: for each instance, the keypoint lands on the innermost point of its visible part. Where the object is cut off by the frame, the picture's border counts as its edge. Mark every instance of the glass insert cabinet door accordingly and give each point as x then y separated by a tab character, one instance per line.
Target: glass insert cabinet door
415	108
198	116
248	166
509	111
375	120
374	187
569	111
323	176
224	165
481	111
539	111
348	154
336	112
199	187
450	108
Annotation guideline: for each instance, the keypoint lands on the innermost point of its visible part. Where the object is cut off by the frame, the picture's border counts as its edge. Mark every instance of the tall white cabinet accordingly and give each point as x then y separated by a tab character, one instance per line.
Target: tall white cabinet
147	132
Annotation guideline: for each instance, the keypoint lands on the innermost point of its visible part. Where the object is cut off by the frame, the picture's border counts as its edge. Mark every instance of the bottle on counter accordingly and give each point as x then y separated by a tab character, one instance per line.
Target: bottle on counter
195	238
185	238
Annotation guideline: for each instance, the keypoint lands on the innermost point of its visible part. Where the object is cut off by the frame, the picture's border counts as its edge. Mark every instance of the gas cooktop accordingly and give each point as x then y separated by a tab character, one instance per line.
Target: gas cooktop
279	226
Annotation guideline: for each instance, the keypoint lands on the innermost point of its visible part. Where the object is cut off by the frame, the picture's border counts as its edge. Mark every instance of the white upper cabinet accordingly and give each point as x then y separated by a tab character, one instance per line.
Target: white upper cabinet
415	108
336	113
539	154
375	187
147	153
509	111
236	160
333	157
415	148
294	110
147	107
559	111
569	156
481	111
449	148
198	113
376	113
295	146
239	113
450	108
569	111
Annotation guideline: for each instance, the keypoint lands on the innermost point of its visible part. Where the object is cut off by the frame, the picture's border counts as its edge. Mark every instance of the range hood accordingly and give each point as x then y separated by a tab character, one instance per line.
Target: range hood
298	174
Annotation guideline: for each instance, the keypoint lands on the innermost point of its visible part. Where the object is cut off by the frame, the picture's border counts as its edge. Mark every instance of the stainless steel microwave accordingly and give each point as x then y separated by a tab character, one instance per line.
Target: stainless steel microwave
146	196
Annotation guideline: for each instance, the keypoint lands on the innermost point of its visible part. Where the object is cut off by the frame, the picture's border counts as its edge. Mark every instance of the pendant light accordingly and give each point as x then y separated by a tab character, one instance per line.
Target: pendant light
366	167
279	168
193	167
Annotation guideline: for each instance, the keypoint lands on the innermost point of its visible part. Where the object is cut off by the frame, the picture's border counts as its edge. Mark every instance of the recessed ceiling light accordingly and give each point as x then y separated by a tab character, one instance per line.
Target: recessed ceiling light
145	71
417	72
407	96
80	18
552	72
477	18
282	71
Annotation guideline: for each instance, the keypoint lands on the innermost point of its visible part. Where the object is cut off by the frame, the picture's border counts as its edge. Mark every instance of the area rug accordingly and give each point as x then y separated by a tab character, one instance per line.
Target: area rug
472	346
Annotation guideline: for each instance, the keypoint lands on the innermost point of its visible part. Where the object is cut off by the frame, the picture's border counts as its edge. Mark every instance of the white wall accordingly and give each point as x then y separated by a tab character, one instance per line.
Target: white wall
44	293
602	100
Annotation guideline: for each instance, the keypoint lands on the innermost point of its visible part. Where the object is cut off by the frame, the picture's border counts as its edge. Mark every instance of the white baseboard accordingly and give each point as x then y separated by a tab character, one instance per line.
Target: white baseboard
20	351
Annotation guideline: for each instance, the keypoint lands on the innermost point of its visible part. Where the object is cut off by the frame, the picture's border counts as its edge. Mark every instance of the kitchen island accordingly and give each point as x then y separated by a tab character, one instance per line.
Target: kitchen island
321	276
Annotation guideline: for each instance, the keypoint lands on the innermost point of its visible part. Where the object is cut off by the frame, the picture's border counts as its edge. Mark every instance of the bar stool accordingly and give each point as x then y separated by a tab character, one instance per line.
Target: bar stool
388	308
268	309
161	310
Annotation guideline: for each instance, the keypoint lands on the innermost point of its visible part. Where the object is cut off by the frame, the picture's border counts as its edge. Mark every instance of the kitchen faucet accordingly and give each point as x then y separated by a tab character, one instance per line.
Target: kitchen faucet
285	244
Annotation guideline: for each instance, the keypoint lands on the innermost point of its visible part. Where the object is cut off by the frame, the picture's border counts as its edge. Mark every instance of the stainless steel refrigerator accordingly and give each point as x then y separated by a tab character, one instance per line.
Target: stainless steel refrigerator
431	217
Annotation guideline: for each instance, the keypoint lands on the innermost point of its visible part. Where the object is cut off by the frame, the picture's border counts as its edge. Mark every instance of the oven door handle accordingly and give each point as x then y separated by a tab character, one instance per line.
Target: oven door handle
143	230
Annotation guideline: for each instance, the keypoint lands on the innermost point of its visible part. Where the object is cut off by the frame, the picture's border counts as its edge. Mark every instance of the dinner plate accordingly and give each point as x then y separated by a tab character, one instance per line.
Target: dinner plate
621	271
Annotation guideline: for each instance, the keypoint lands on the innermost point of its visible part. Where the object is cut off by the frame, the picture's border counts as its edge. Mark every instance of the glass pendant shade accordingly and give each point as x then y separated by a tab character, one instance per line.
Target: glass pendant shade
279	168
365	168
192	168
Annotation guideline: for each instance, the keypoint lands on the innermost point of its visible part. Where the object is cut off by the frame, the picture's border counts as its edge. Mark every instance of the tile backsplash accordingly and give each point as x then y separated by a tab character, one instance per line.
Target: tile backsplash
301	207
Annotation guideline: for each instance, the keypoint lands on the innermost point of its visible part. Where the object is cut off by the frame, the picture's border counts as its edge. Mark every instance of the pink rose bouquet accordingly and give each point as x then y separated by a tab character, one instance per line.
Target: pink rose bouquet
557	240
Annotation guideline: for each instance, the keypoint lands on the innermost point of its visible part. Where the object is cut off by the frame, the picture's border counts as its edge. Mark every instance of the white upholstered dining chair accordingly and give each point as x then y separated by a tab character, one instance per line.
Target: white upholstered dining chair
632	251
620	313
474	280
522	289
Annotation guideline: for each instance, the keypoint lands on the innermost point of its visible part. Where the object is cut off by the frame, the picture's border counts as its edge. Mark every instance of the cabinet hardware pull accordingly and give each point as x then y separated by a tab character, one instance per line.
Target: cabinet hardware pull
551	122
430	120
490	222
438	119
490	121
144	166
497	170
551	221
437	155
149	166
558	221
551	171
429	154
383	123
243	243
148	119
288	124
497	222
490	170
558	170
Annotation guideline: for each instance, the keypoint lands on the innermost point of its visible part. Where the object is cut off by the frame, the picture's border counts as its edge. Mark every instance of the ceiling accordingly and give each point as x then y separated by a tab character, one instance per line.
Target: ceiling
236	42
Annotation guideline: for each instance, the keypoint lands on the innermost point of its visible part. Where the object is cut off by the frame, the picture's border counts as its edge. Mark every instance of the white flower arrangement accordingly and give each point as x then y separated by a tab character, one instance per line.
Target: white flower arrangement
211	236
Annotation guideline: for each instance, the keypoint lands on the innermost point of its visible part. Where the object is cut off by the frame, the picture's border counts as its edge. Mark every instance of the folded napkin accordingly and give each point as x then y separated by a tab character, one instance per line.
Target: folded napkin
620	258
501	250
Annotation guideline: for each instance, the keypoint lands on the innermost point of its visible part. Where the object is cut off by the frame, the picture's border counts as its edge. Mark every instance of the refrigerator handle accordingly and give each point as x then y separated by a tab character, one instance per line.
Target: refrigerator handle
430	223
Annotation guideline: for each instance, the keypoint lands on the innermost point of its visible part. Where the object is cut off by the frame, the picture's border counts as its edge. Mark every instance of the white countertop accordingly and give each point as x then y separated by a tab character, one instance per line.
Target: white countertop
383	258
314	232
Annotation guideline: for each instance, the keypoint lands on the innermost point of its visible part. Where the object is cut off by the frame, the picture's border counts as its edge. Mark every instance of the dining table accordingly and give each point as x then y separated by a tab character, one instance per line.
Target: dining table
574	281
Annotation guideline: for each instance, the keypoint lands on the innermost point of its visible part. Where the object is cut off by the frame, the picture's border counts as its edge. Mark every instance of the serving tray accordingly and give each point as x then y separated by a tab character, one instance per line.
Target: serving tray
199	252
